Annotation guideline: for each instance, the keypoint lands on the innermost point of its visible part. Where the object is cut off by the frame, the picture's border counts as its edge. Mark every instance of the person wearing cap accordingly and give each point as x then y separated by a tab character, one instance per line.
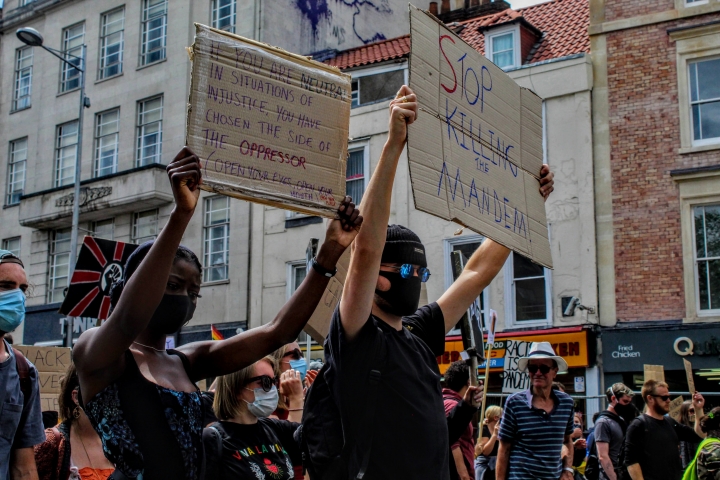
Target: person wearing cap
610	430
537	423
378	312
21	424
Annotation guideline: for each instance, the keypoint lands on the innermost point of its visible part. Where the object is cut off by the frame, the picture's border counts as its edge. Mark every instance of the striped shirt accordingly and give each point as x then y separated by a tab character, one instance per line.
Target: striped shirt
536	436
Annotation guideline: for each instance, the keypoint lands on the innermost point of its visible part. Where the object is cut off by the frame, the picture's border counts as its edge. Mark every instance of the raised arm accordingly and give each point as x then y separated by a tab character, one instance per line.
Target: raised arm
482	267
357	299
213	358
102	348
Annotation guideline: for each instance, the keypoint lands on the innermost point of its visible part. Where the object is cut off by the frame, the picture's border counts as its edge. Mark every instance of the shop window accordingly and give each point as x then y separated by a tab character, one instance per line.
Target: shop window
370	88
73	40
527	292
216	239
467	245
707	256
112	35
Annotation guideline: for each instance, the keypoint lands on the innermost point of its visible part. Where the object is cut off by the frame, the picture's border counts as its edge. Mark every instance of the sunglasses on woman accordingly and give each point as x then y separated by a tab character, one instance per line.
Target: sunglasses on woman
266	382
544	369
407	270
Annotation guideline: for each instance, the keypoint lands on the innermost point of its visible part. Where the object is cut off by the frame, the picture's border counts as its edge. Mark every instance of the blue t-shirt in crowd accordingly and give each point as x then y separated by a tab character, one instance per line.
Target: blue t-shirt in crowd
20	423
536	436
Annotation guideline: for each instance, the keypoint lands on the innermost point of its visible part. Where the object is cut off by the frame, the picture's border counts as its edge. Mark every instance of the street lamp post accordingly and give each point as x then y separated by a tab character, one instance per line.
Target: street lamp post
33	38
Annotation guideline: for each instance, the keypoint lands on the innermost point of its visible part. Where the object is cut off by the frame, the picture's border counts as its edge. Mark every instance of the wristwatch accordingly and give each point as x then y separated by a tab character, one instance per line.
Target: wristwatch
322	271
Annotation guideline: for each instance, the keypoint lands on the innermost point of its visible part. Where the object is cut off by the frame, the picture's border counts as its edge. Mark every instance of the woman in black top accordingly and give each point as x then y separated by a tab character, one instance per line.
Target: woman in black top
140	397
245	443
486	448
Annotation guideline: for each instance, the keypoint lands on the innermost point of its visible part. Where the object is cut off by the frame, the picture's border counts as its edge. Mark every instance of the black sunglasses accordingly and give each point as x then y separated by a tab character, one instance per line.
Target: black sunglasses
534	368
266	382
664	398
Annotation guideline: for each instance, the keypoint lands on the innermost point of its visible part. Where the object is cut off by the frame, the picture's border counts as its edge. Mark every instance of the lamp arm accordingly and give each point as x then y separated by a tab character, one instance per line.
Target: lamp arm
59	54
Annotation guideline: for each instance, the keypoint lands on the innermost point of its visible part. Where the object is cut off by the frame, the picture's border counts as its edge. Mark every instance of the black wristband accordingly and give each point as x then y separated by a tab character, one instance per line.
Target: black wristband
322	271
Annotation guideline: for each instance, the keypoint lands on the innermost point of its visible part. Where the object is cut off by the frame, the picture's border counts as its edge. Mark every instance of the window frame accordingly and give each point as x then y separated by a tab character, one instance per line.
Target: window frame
144	22
17	78
710	312
497	32
207	227
9	192
6	245
52	265
102	51
214	11
448	244
64	67
377	70
139	160
692	103
134	238
510	297
58	182
98	140
290	268
93	228
356	146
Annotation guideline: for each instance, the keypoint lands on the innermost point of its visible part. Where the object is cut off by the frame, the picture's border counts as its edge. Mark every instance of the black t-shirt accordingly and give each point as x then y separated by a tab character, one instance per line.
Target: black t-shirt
265	450
654	445
486	433
410	434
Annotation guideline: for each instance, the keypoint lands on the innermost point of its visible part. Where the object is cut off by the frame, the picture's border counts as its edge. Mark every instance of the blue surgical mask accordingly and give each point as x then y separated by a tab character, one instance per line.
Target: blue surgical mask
265	402
12	309
299	366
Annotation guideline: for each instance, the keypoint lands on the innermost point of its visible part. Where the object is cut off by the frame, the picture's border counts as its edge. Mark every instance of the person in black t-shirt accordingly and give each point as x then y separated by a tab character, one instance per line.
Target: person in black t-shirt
653	439
245	443
379	305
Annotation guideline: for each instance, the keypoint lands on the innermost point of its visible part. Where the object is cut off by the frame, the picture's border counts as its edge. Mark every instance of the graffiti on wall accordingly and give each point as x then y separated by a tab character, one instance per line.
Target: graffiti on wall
364	17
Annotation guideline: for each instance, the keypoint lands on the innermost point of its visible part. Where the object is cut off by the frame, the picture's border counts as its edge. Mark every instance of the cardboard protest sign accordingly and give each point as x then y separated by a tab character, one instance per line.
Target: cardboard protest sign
675	407
319	324
654	372
475	150
49	402
50	381
689	375
100	264
268	126
47	359
513	379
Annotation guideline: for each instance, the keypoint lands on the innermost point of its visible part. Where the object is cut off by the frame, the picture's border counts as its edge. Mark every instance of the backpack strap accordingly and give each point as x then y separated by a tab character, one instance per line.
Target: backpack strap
185	361
366	432
23	369
212	440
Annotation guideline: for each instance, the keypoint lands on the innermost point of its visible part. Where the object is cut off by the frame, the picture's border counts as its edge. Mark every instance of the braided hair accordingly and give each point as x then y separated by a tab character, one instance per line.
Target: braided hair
136	258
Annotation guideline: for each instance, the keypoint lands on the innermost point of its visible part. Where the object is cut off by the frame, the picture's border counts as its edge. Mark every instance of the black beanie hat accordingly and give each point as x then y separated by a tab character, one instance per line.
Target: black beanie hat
403	246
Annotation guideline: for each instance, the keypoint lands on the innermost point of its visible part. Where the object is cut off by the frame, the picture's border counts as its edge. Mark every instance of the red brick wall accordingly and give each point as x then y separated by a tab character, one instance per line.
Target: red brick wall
617	9
528	39
645	137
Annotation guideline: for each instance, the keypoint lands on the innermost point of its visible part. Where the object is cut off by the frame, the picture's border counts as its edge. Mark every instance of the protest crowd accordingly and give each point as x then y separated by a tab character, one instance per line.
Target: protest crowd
130	409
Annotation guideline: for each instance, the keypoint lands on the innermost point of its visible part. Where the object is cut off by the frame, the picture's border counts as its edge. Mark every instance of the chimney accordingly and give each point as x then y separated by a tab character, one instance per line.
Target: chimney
445	6
433	8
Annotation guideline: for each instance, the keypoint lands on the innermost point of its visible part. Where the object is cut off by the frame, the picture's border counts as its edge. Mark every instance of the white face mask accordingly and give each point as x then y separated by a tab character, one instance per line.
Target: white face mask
265	402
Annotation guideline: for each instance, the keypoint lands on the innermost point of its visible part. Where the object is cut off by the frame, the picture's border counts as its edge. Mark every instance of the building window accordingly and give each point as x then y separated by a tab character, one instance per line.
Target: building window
355	173
103	229
149	131
16	171
530	291
66	153
705	100
467	245
145	226
216	238
707	256
59	265
154	31
73	40
107	125
23	78
223	14
502	49
372	87
12	245
296	272
25	2
112	33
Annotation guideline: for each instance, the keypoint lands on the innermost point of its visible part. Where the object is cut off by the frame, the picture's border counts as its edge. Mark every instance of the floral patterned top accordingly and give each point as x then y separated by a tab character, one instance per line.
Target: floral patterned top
148	431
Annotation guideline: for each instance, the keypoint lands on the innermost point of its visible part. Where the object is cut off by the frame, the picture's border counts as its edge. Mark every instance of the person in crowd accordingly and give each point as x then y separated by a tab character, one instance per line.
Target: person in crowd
579	452
457	382
245	443
72	450
21	424
487	445
653	439
410	437
686	416
288	357
610	430
537	423
139	396
705	465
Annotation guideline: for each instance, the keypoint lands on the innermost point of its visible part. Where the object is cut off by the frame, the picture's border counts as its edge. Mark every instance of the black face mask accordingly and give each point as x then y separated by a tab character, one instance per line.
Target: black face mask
403	297
626	412
173	312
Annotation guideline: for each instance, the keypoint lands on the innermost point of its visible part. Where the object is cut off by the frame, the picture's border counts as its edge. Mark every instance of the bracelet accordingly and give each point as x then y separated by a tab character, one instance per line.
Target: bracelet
568	469
322	271
294	409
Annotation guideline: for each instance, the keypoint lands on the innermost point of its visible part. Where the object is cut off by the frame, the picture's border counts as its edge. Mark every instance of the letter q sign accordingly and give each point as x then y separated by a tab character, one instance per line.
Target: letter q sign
688	350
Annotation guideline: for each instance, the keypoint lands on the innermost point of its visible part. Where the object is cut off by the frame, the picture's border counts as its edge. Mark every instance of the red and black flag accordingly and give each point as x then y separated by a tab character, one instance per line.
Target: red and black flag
100	264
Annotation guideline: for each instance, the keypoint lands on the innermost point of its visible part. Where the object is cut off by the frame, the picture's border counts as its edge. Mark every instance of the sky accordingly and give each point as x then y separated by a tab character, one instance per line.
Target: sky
524	3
